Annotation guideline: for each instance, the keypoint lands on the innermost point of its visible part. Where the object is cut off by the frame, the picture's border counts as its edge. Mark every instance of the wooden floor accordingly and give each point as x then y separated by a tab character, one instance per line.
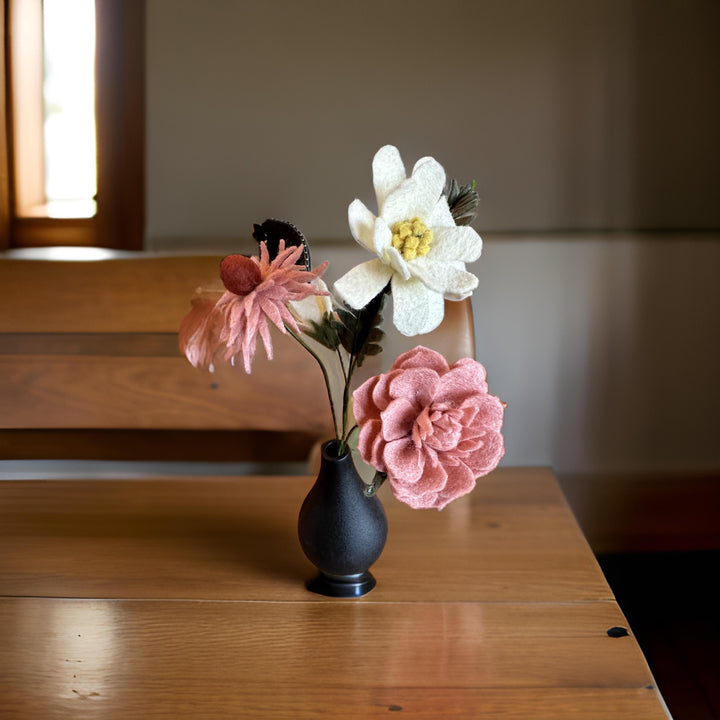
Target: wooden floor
672	603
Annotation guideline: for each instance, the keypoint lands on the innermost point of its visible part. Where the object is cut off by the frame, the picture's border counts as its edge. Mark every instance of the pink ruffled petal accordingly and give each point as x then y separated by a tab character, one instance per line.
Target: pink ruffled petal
371	444
421	357
397	419
465	377
424	493
404	496
403	461
487	456
469	444
418	385
414	500
461	481
469	409
422	427
381	392
364	408
433	428
435	474
489	415
447	433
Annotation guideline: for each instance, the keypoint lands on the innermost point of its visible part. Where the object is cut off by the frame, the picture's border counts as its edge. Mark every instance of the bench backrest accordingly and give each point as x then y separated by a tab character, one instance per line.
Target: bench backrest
90	368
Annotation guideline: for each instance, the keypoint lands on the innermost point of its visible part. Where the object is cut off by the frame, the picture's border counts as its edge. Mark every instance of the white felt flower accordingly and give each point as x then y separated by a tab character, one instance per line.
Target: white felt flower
314	307
419	248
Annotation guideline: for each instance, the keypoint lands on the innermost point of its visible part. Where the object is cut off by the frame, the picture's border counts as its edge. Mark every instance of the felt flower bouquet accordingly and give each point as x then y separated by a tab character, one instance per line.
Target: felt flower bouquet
428	427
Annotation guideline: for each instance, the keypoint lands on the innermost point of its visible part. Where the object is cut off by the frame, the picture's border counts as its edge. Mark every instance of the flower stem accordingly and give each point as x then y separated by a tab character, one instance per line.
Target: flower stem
350	432
374	486
346	398
342	364
340	438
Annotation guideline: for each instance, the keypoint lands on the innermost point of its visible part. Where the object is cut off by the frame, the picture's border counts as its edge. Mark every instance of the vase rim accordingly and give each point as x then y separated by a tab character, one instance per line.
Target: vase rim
329	455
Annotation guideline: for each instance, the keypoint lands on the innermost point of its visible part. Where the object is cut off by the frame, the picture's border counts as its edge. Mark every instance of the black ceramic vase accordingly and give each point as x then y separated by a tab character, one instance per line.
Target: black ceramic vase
342	531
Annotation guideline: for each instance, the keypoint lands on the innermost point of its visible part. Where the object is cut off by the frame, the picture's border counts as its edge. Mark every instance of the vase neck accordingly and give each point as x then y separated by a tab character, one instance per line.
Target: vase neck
330	452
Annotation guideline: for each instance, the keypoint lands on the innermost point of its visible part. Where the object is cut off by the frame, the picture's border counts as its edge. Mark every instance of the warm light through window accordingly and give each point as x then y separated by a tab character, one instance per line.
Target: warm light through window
53	79
69	104
73	116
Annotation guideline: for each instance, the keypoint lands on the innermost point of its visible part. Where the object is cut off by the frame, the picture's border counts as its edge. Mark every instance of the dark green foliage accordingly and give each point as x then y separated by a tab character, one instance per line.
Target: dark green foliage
359	331
462	200
326	333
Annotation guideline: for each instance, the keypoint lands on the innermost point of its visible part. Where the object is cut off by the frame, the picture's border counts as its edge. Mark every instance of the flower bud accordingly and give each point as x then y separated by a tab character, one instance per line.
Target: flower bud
240	274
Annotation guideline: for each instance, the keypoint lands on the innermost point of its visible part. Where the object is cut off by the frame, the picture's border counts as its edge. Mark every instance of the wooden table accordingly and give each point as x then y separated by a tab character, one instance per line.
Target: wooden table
184	598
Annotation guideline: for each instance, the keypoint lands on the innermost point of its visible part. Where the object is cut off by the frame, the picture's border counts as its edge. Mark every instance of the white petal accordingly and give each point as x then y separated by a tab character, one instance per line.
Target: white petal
450	279
362	283
430	172
386	252
441	215
396	261
361	222
382	237
455	243
388	173
418	195
313	307
416	308
422	161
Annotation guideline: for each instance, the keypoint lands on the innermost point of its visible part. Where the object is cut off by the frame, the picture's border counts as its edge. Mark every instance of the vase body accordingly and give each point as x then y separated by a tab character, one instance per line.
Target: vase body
341	530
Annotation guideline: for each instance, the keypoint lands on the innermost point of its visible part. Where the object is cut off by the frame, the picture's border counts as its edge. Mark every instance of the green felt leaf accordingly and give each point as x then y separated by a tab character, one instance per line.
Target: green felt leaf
325	333
462	201
358	330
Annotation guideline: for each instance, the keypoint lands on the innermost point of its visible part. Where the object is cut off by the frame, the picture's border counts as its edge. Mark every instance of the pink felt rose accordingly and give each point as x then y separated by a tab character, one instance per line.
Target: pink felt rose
433	428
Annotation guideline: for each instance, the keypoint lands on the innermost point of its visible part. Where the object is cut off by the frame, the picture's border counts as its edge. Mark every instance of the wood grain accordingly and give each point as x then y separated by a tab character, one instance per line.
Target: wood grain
64	391
304	660
138	294
106	344
235	539
92	346
44	231
184	598
151	294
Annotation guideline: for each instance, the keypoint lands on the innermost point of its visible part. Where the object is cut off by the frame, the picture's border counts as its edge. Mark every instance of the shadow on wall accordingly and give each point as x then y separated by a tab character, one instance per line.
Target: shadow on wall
605	349
633	129
653	387
673	173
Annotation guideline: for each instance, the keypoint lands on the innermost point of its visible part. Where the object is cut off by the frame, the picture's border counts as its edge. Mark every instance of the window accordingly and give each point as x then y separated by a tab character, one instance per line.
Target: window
102	202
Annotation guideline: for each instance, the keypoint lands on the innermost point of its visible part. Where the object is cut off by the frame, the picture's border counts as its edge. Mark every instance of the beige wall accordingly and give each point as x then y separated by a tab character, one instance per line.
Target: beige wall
574	117
570	114
606	348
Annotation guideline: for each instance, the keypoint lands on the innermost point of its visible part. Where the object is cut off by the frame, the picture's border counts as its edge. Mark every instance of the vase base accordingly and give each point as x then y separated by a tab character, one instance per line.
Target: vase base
341	586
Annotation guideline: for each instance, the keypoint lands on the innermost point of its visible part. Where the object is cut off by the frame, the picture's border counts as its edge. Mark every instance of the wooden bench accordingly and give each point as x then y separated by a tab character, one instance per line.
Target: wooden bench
90	369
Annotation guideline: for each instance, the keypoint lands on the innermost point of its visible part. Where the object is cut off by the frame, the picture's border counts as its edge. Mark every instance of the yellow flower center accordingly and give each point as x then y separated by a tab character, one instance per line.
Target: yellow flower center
412	238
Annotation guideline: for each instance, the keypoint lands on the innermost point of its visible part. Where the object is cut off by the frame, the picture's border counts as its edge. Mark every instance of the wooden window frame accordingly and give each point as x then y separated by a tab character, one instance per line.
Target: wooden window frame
120	116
